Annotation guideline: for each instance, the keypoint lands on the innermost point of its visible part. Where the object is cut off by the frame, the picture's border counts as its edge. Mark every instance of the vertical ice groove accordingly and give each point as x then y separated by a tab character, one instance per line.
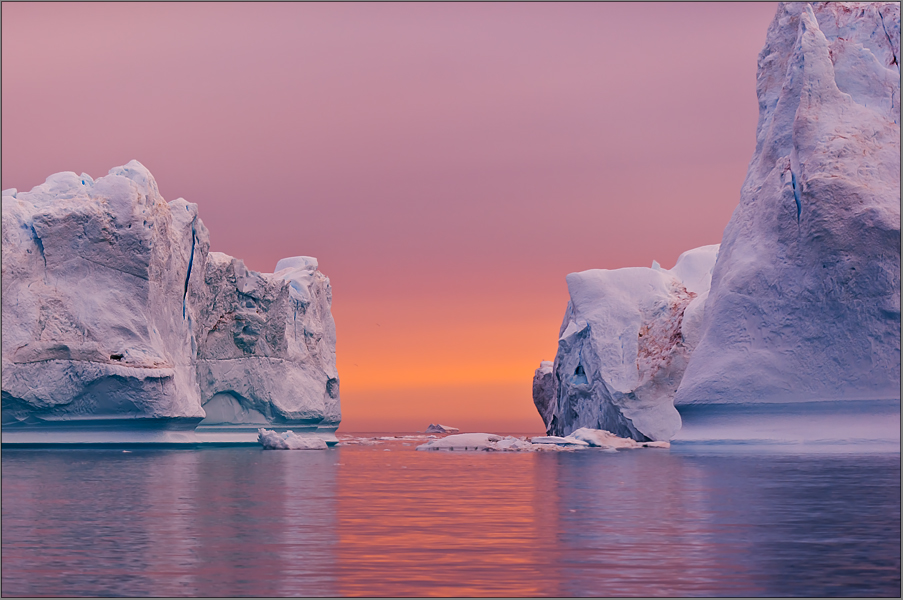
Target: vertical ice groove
188	274
40	245
796	195
890	42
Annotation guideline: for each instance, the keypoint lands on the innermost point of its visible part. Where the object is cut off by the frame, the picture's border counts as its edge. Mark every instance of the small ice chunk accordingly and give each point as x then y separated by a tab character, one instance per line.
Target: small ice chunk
441	429
272	440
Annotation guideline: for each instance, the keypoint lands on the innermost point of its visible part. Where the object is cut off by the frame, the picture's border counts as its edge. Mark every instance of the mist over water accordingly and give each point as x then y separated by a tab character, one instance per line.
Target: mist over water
361	520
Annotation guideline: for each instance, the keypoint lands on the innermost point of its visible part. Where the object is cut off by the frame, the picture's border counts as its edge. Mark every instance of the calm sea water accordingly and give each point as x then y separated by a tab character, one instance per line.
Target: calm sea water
388	521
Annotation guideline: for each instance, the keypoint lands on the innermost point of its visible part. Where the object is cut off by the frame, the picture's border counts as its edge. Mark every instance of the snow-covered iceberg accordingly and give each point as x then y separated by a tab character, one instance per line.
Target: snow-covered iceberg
112	307
805	296
624	343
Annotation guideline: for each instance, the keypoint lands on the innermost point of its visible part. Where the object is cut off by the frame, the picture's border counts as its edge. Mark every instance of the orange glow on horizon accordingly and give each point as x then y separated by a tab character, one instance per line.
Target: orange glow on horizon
402	366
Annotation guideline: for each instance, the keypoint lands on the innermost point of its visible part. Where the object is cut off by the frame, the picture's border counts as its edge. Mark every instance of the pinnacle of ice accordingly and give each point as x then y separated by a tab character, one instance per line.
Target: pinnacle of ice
805	295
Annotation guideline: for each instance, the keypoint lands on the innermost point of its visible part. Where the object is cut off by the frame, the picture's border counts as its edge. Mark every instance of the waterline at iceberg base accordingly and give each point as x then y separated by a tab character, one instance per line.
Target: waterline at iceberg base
120	326
794	331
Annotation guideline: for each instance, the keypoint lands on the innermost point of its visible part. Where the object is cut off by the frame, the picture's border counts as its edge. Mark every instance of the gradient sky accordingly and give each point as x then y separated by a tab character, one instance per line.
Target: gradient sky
448	164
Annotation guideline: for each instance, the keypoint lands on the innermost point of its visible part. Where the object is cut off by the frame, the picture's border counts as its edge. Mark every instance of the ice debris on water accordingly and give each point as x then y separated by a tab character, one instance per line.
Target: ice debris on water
288	440
581	439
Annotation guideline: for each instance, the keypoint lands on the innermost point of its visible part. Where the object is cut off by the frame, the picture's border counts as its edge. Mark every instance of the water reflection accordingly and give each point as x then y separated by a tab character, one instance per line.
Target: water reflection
366	521
412	523
815	525
640	525
168	523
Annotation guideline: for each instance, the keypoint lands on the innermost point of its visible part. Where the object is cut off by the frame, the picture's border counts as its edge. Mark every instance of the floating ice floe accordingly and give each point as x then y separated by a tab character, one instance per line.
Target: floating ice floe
558	440
463	441
287	440
580	439
353	441
599	438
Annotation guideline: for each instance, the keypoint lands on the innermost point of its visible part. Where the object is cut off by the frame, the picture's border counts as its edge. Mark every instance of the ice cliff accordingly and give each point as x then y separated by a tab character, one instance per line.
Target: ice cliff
804	304
805	298
120	325
623	346
265	347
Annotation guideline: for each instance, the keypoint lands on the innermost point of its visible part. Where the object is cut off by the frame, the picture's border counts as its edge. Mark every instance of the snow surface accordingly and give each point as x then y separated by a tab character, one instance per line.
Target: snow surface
288	440
623	347
116	317
805	296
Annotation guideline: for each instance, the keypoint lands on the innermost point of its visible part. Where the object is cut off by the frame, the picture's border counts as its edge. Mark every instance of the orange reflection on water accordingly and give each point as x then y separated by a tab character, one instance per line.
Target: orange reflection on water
530	524
411	525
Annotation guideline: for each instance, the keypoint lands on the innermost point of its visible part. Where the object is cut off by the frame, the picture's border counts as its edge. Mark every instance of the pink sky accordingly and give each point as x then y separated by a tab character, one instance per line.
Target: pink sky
448	164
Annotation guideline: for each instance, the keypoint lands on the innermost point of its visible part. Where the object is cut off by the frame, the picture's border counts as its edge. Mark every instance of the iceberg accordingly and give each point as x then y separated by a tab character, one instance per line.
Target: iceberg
623	345
800	303
441	429
805	296
94	294
120	326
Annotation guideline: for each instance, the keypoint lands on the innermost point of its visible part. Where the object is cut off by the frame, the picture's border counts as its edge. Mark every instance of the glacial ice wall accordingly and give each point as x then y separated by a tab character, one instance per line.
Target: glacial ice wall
266	346
805	296
623	345
94	278
120	325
